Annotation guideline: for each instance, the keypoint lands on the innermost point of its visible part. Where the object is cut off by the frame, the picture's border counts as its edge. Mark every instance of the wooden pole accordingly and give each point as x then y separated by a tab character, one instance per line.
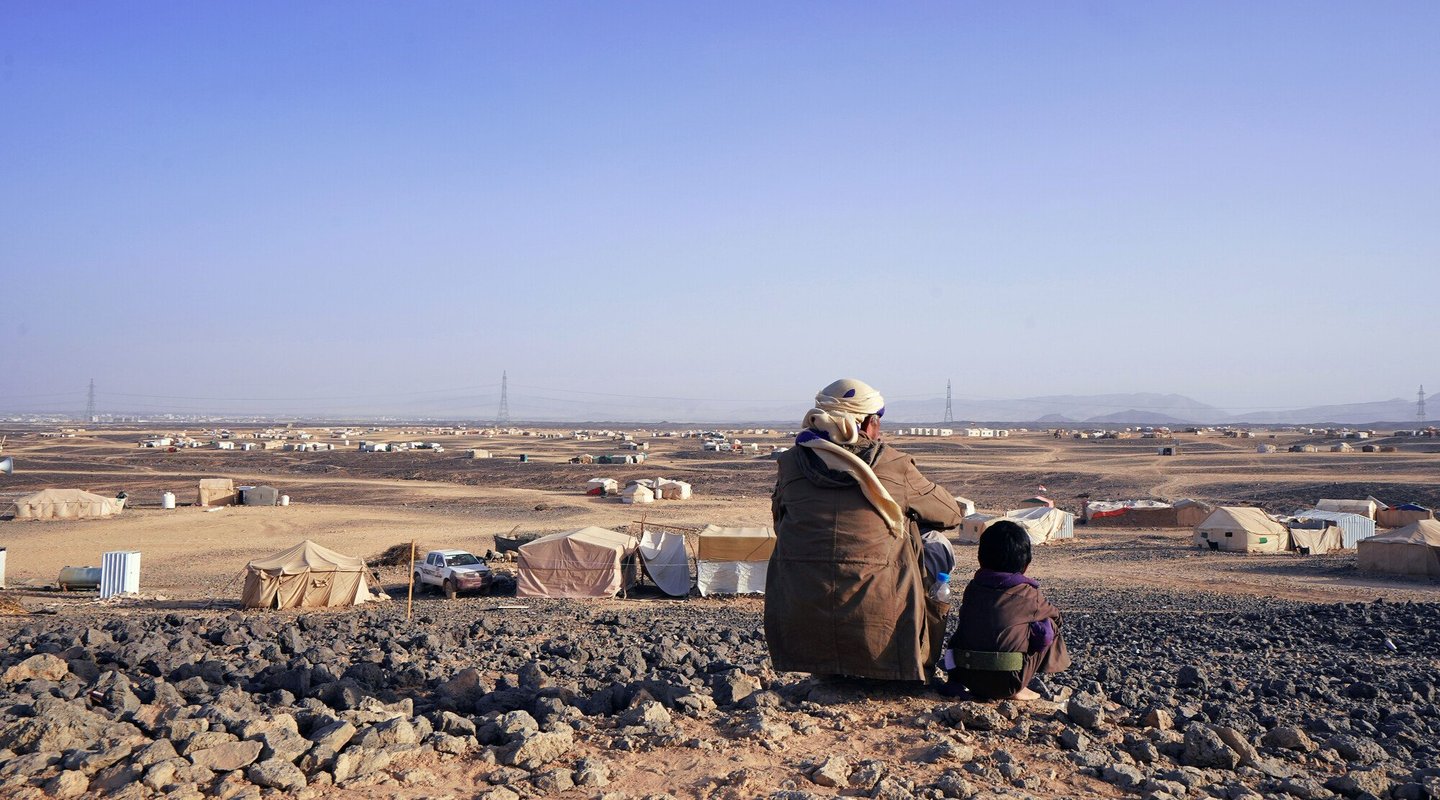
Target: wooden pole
410	596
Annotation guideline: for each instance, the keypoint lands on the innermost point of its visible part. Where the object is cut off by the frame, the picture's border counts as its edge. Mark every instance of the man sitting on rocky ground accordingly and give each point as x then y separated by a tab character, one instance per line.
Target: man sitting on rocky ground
845	593
1008	631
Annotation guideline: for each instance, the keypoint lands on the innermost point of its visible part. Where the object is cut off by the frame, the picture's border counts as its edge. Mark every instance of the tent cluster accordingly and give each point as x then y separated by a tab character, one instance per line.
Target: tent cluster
598	562
648	490
66	504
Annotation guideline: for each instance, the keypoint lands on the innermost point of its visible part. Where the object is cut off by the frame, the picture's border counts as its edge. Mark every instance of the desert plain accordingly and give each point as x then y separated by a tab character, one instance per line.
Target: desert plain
1197	674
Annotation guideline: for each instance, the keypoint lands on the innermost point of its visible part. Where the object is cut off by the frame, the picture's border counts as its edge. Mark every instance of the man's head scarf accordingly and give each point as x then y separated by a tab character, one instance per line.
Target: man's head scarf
839	411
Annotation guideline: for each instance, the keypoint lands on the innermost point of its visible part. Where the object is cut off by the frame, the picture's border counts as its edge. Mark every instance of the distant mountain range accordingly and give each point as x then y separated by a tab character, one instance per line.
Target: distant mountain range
1145	409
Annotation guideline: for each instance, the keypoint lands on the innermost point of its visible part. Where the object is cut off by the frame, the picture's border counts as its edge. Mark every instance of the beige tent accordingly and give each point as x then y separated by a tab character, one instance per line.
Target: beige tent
733	560
66	504
306	576
1241	530
1045	525
1365	508
973	525
589	562
1316	537
218	492
1411	550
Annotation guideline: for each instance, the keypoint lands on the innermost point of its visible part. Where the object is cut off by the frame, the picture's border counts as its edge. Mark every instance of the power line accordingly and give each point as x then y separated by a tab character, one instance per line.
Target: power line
949	410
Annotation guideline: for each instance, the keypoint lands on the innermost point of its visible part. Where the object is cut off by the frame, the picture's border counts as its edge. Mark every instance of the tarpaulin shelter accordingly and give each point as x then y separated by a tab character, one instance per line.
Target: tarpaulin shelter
589	562
1353	527
1401	515
1411	550
1365	508
602	486
218	492
1241	529
306	576
1316	537
51	504
1044	524
733	560
665	561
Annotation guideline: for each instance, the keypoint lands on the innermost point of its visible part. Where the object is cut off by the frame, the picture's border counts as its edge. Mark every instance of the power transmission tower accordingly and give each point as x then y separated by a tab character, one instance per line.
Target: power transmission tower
503	418
1420	404
949	410
90	403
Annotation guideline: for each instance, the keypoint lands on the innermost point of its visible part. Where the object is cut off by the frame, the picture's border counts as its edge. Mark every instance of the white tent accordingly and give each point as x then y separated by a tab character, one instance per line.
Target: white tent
666	561
637	493
1045	524
673	490
733	560
1316	537
1241	529
602	486
967	506
52	504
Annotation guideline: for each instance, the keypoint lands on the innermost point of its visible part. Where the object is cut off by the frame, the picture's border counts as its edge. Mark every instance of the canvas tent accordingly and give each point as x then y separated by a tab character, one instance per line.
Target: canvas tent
1316	537
733	560
50	504
1402	515
673	490
1241	530
1189	513
602	486
666	562
1044	524
306	576
637	493
972	526
1411	550
967	506
589	562
218	492
1353	527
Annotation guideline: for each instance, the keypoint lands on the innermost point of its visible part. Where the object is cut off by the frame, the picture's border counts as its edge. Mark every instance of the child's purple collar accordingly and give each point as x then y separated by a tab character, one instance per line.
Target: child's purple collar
1004	580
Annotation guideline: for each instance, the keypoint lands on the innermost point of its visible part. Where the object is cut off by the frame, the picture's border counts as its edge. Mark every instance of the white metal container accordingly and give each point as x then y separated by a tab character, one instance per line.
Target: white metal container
167	500
284	499
119	573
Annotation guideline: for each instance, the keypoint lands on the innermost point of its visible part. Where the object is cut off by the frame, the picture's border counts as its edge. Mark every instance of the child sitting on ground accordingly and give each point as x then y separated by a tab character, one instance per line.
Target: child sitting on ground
1008	631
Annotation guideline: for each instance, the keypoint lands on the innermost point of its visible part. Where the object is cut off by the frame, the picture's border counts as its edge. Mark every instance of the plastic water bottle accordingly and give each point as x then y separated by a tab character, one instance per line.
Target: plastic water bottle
941	590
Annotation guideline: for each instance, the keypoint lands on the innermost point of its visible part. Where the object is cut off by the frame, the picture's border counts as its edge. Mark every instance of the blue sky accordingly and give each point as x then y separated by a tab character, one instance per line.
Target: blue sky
346	204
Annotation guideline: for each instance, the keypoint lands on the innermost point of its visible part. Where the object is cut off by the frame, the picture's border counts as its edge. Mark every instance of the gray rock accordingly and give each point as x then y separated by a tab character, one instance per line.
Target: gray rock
946	750
1073	738
1158	718
1244	751
1205	748
452	745
1086	710
591	772
1288	737
68	784
1123	775
974	716
1361	783
833	772
1356	749
334	736
42	666
1189	676
517	724
276	774
153	753
397	731
284	745
552	781
649	714
737	685
532	750
456	725
226	757
1305	789
357	762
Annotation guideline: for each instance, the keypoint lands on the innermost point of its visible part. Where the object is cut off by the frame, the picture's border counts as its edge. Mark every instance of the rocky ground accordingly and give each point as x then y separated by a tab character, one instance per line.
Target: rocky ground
1172	696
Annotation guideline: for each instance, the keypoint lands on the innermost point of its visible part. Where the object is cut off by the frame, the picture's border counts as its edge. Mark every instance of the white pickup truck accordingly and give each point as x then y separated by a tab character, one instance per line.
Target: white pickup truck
453	572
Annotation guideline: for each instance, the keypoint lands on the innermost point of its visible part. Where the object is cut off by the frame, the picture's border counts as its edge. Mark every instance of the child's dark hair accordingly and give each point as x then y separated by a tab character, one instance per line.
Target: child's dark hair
1005	547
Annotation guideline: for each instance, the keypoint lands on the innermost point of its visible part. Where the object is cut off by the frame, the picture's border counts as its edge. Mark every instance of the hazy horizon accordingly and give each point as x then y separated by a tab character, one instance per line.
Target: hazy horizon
347	208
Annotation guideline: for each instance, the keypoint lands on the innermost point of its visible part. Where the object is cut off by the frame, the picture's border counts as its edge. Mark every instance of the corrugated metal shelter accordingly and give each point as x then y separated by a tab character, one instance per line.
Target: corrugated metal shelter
260	496
1353	527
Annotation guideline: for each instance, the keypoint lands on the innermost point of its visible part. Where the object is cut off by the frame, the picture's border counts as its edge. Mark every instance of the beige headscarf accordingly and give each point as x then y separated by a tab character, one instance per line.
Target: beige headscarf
835	420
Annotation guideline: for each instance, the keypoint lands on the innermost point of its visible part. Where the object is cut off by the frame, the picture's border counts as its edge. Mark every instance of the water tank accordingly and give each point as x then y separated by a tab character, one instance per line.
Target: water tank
72	578
167	500
284	499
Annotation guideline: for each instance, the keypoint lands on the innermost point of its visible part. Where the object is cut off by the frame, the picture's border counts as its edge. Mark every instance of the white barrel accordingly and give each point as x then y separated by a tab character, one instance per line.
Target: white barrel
284	499
167	500
2	568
